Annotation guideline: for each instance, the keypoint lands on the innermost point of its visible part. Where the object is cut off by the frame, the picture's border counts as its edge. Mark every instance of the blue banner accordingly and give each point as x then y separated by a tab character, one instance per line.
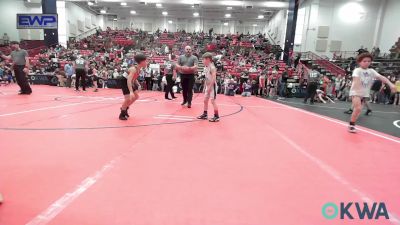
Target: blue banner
37	21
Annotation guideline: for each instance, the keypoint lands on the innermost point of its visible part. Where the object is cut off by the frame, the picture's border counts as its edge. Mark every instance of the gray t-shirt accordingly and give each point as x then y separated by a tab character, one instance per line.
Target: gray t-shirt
80	63
18	57
314	76
190	61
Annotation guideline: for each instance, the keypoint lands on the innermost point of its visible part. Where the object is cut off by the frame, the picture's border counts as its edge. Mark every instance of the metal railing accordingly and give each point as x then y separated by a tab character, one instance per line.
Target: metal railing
324	63
344	54
86	33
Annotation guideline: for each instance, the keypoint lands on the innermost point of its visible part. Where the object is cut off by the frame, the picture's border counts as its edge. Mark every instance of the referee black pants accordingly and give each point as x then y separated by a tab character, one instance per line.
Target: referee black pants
22	79
170	84
80	75
311	91
149	83
187	81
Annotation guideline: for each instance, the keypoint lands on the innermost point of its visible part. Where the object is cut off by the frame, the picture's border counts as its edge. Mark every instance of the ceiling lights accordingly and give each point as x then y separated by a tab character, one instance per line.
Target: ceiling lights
226	24
158	5
229	8
276	4
254	25
103	11
90	3
133	12
260	17
228	15
233	3
123	4
169	21
196	14
164	13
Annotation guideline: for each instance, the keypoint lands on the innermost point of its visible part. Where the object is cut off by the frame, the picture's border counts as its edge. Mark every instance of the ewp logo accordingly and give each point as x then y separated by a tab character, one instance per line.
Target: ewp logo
37	21
363	211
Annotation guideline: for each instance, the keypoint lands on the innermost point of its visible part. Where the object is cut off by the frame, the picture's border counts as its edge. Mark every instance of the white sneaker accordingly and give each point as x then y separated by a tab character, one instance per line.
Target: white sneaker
352	129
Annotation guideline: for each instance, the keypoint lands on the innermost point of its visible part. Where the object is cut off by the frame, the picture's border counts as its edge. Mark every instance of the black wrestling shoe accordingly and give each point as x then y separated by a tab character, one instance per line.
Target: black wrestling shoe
214	119
368	112
174	97
183	103
189	105
350	111
126	112
168	98
123	115
352	129
203	117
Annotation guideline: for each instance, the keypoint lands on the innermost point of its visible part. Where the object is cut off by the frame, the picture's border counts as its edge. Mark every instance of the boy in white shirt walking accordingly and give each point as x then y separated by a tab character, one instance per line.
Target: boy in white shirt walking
363	78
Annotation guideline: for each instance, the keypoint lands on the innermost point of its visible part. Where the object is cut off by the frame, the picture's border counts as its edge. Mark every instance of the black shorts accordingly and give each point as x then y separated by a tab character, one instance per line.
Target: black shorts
95	78
124	86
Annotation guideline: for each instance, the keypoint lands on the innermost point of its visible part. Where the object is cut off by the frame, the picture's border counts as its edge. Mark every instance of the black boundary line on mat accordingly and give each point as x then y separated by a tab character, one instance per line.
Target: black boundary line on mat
116	127
86	110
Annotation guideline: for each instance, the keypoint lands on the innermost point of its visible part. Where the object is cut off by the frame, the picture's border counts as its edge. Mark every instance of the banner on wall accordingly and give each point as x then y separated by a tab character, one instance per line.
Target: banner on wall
37	21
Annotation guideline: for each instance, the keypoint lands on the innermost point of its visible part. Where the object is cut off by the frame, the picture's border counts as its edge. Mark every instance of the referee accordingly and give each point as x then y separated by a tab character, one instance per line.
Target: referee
20	60
187	67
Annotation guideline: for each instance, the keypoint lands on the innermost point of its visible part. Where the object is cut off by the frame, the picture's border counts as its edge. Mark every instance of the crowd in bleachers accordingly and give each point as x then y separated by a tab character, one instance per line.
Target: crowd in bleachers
240	58
247	64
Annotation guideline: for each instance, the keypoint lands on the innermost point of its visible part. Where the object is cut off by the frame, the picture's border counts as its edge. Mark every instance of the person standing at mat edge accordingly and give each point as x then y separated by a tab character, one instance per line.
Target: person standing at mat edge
170	76
130	85
363	78
187	67
210	87
81	67
312	86
20	60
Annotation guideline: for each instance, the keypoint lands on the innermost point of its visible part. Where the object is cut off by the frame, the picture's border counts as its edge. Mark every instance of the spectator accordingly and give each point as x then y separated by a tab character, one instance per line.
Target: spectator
397	94
375	89
247	89
148	77
69	71
6	39
283	83
62	78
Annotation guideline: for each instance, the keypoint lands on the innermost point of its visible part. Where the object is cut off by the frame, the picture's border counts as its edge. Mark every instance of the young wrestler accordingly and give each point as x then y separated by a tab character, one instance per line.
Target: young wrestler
210	87
363	78
130	85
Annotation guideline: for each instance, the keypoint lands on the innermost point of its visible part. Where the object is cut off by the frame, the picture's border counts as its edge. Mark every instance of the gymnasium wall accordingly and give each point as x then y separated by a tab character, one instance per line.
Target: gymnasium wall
70	17
190	25
352	27
276	27
390	31
8	17
374	23
79	20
